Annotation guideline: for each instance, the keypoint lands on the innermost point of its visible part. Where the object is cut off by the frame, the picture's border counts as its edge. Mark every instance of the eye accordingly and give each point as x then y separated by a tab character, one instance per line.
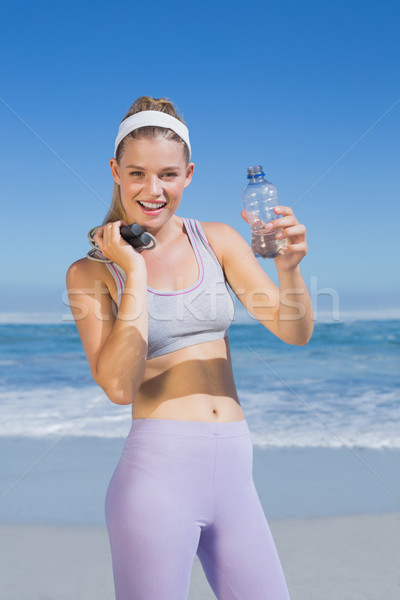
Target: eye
170	175
135	173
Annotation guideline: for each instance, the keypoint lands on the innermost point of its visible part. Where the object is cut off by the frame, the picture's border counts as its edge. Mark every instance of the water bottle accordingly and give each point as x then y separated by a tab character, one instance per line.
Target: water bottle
259	198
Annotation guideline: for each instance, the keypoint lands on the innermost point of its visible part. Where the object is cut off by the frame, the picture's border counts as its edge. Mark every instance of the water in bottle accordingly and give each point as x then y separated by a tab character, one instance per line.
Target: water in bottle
259	198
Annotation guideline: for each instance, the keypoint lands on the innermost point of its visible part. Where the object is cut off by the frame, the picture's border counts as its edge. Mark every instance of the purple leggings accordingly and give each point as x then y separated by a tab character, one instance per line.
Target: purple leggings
186	487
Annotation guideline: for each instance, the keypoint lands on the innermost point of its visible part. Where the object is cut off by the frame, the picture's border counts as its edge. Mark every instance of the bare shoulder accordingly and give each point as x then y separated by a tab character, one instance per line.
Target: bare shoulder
82	270
246	277
85	272
221	237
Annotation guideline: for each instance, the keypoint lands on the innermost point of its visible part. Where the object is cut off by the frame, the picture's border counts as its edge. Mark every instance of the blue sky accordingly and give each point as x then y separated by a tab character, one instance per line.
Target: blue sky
289	85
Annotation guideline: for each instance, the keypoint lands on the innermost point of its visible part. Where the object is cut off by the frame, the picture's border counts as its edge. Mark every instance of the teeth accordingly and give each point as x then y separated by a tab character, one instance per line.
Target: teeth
152	204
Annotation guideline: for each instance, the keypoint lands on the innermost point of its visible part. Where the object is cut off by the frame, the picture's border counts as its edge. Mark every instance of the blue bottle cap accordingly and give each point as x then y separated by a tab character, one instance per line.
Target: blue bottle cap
256	171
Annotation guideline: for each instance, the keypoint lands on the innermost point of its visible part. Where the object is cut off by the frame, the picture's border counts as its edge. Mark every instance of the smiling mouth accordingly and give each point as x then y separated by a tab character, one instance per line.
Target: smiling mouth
152	205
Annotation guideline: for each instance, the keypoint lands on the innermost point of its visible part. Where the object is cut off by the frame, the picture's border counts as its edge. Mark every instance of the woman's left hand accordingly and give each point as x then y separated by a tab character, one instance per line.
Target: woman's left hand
294	234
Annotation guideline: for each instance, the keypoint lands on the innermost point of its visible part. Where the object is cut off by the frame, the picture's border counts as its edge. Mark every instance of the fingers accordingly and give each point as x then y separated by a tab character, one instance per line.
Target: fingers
300	248
283	210
281	222
244	216
287	217
287	222
297	230
98	236
111	232
106	233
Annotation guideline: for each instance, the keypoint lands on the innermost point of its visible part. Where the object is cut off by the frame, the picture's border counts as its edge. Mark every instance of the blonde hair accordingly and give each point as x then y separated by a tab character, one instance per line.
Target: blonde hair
116	211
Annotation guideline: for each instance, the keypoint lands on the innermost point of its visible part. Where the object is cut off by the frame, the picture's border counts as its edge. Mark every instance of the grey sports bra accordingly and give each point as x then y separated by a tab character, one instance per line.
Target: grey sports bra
200	313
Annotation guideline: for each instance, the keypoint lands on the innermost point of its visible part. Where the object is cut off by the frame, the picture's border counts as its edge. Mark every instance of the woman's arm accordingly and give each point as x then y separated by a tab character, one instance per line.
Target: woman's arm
285	310
115	345
296	317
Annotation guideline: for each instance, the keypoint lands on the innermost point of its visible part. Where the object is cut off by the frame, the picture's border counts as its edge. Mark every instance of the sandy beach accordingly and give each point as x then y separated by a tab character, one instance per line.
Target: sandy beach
331	558
334	515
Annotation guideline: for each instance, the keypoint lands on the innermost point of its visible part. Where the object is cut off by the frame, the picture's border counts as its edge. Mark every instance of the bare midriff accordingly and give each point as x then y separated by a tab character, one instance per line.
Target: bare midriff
195	383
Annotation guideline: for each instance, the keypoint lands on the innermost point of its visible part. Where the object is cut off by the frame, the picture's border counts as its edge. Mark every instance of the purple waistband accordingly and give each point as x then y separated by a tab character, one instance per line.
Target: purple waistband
181	427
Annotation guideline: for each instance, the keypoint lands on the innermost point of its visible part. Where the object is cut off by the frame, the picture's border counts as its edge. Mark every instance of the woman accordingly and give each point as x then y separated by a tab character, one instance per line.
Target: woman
154	327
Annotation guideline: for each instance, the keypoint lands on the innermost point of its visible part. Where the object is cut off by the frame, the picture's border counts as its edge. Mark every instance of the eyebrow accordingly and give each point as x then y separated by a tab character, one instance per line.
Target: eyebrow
143	169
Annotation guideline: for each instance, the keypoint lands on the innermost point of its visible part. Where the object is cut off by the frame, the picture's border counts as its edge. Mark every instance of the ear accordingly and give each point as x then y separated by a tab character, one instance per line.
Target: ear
189	174
115	170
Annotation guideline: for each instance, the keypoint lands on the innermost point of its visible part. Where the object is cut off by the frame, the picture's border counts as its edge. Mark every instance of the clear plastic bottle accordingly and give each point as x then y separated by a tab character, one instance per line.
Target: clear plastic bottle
259	198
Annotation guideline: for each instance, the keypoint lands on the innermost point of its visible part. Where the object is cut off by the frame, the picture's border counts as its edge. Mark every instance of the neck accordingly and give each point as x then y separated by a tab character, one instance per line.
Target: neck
168	232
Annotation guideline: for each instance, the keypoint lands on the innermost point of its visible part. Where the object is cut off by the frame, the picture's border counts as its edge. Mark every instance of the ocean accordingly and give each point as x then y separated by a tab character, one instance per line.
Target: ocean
340	390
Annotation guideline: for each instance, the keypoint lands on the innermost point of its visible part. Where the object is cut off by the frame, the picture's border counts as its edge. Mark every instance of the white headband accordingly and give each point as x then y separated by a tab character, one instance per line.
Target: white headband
155	118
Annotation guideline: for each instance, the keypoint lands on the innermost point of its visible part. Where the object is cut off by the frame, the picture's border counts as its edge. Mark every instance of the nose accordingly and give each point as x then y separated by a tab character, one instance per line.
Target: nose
154	187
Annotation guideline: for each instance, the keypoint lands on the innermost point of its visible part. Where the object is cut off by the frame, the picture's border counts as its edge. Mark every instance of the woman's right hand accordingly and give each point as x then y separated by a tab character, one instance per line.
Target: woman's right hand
115	248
